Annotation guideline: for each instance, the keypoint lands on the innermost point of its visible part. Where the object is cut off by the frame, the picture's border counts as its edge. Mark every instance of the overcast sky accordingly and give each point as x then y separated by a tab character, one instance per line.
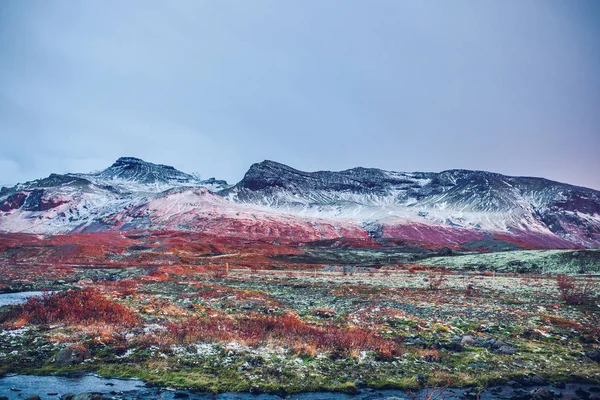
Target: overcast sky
508	86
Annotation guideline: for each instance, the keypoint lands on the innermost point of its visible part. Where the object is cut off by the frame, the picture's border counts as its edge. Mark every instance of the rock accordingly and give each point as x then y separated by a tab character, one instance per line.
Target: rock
470	394
584	394
593	355
537	380
421	379
519	394
506	349
180	395
33	398
359	384
514	384
71	356
560	385
90	396
468	340
594	389
67	396
455	347
541	394
455	339
3	398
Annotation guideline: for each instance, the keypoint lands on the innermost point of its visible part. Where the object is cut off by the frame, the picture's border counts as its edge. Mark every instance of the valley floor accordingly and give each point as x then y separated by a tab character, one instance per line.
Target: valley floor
293	330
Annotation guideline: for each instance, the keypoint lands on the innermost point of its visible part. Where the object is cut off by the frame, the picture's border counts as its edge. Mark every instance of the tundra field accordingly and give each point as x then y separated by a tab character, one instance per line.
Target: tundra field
283	320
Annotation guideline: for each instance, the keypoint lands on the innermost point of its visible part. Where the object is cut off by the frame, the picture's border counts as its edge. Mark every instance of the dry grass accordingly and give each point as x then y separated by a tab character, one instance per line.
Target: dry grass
72	307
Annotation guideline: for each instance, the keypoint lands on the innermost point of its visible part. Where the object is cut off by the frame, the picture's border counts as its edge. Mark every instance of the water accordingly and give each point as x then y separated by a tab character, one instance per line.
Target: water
16	298
51	387
19	387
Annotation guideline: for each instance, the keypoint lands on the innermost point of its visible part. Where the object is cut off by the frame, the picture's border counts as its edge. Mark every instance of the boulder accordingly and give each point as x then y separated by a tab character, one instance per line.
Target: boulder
506	349
468	340
593	355
582	393
421	379
91	396
537	380
71	356
541	394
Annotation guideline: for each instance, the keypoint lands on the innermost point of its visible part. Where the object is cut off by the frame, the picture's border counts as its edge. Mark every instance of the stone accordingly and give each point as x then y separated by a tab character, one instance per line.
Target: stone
538	380
455	347
67	396
593	355
506	349
582	393
180	395
541	394
359	384
470	394
71	356
468	340
90	396
33	398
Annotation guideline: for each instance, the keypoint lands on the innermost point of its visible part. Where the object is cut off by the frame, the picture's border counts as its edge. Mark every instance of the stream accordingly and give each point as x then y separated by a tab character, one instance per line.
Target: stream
19	387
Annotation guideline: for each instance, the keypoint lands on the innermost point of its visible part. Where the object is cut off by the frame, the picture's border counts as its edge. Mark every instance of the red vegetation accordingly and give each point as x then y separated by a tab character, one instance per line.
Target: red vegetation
441	235
286	329
535	240
72	307
577	291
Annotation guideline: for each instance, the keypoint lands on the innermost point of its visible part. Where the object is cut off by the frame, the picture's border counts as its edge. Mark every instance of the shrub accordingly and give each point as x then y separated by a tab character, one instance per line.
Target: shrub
287	329
436	282
470	289
219	273
73	306
576	291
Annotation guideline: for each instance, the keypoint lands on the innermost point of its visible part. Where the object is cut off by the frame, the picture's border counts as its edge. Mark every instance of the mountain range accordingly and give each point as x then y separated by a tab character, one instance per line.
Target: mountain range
274	202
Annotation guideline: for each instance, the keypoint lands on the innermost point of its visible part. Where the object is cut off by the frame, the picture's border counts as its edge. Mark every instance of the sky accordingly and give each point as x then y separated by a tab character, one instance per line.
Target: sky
211	87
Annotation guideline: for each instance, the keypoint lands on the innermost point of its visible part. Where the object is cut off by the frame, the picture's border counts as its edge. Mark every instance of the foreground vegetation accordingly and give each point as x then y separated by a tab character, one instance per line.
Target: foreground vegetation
219	328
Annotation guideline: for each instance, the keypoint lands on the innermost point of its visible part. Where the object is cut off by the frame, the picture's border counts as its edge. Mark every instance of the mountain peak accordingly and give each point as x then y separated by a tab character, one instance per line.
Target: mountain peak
140	171
133	162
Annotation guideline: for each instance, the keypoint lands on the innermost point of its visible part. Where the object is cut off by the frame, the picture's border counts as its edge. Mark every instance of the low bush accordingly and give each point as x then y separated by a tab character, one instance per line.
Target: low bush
285	329
72	307
577	291
436	282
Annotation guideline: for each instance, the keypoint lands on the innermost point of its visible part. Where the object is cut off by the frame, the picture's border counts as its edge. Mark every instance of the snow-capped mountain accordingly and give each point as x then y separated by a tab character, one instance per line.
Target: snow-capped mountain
274	201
